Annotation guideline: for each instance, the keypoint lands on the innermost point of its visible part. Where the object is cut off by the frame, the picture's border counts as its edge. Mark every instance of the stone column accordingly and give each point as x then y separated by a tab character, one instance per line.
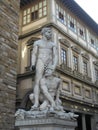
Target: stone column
83	122
9	17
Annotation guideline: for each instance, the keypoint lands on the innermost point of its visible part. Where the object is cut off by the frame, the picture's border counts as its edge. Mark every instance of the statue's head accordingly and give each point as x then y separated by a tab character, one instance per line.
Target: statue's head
47	32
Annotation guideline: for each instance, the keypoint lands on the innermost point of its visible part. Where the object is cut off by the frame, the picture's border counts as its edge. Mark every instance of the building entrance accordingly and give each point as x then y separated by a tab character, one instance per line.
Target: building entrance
84	122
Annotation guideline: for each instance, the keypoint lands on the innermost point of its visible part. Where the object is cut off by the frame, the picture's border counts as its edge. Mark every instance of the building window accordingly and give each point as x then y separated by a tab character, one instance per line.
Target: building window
75	63
35	12
29	52
96	74
63	56
60	14
26	16
92	42
85	71
30	57
34	15
81	31
72	23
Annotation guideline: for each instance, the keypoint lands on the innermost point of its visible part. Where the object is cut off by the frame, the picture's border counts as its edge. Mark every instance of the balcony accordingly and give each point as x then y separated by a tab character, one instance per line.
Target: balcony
87	78
66	69
77	74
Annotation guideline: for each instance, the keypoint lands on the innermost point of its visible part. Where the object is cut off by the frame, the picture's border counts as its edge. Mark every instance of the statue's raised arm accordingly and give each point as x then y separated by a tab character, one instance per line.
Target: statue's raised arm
34	55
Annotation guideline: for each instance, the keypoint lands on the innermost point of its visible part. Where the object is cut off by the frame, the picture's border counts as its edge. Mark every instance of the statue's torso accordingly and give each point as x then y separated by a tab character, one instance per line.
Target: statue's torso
45	51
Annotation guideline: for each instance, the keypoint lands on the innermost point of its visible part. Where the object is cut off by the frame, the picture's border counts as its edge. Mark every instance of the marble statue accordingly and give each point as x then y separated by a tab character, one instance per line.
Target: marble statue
45	97
50	87
44	58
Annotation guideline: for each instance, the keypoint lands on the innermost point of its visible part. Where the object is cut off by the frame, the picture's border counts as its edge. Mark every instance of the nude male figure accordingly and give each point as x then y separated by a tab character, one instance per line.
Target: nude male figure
44	56
51	87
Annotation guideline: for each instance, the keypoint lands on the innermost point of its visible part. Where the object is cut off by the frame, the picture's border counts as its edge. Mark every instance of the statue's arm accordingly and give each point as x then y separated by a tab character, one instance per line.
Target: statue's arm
59	88
34	55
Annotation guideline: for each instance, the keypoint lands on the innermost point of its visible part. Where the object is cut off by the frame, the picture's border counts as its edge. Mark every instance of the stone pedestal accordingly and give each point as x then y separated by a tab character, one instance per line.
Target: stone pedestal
49	123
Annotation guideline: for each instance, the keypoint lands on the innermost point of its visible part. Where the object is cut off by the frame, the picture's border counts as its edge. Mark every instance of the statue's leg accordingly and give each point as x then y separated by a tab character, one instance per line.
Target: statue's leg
44	105
39	74
46	93
31	97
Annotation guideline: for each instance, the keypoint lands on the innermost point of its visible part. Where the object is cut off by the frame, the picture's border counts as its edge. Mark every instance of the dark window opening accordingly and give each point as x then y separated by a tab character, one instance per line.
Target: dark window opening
92	41
81	32
71	24
61	16
88	122
34	15
79	122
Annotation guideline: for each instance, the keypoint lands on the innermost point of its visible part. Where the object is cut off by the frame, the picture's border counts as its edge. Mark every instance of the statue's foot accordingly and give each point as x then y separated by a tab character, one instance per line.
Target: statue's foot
44	105
34	107
52	110
53	105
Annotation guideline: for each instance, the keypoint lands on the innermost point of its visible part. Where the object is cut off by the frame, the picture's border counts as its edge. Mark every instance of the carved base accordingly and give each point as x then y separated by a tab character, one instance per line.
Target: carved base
49	123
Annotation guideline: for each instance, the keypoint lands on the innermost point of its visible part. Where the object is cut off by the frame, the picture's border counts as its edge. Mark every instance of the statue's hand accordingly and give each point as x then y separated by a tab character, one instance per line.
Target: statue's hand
52	67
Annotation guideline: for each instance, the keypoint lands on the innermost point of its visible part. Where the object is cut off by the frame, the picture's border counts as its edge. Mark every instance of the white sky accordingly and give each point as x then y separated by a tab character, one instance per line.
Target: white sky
91	7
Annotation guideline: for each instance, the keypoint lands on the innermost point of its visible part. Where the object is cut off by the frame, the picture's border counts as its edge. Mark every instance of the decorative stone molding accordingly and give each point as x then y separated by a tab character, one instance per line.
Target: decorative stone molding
66	68
48	123
78	74
96	83
85	55
65	42
95	63
88	79
77	90
76	49
31	41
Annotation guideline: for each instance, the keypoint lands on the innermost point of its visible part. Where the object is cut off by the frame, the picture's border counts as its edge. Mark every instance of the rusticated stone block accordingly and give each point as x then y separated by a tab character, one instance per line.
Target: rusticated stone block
9	17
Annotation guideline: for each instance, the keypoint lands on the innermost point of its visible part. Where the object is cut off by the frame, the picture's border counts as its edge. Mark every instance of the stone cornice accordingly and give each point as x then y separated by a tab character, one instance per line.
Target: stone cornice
76	49
86	56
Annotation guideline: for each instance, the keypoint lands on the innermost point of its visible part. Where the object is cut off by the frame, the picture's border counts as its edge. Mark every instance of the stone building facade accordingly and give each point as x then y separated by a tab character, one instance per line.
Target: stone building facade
9	19
76	35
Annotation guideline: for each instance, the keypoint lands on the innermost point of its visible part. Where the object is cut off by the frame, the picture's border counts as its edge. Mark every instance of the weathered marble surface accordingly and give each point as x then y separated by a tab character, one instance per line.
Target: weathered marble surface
46	104
35	114
44	61
49	123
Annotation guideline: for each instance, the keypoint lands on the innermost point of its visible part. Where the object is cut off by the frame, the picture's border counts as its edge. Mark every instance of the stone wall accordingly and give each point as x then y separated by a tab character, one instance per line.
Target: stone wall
9	16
